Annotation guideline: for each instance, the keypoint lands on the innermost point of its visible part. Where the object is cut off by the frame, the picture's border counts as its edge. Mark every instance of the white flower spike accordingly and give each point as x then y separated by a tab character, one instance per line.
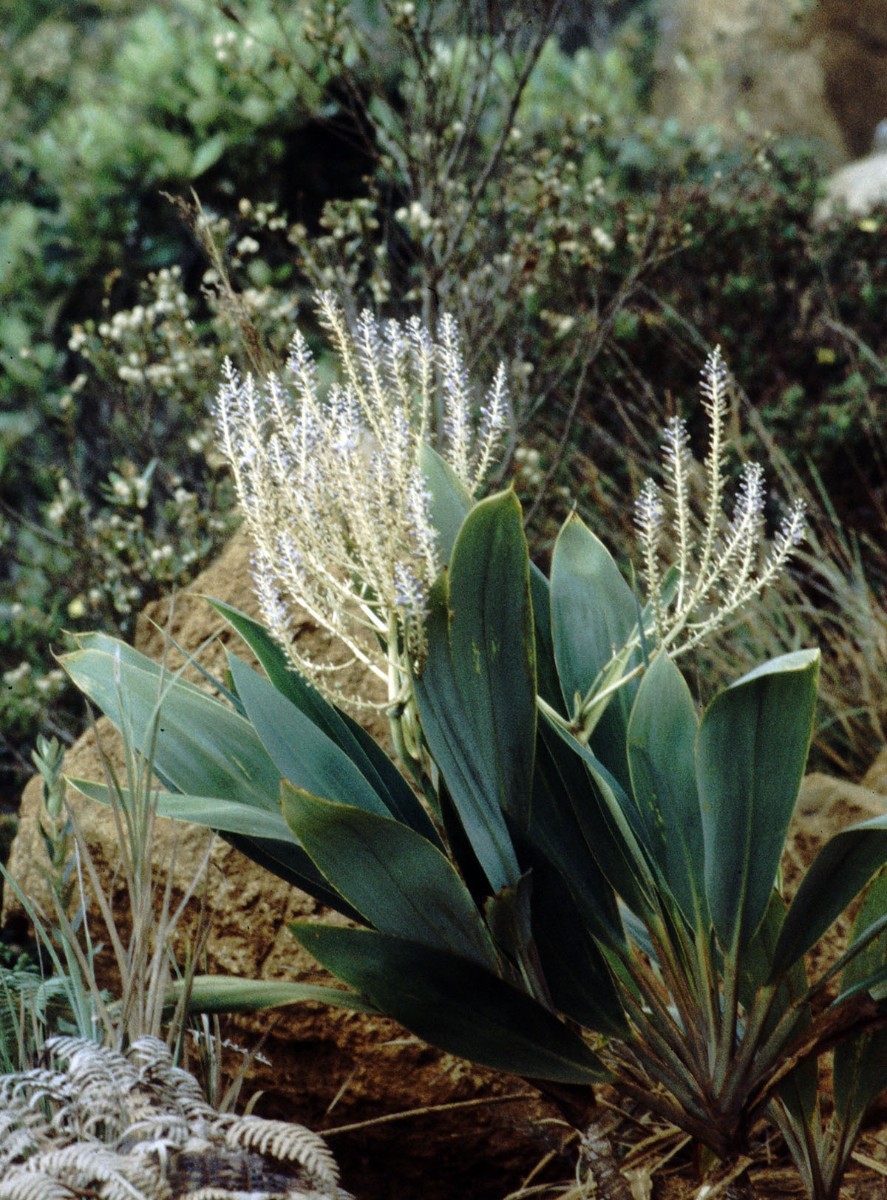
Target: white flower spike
332	487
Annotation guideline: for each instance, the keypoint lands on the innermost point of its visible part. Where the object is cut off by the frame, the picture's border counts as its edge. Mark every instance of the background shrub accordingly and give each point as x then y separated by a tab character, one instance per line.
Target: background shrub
432	157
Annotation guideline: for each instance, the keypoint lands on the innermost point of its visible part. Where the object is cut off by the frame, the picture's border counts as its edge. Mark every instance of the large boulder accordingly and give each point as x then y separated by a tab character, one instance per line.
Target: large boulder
323	1067
745	67
854	61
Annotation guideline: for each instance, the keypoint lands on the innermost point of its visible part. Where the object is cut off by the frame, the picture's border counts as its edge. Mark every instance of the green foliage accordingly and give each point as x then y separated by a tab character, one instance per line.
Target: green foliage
484	932
568	240
105	494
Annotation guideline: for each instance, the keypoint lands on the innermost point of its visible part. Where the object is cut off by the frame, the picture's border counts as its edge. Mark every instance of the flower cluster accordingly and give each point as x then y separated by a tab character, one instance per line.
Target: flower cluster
717	572
332	486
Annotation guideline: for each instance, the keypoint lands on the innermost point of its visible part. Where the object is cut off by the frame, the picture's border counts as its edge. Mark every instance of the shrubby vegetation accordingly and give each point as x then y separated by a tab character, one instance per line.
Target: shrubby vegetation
432	159
431	163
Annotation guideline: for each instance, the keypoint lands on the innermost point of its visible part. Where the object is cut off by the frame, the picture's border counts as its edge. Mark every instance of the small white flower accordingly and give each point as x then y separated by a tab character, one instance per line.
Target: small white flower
603	239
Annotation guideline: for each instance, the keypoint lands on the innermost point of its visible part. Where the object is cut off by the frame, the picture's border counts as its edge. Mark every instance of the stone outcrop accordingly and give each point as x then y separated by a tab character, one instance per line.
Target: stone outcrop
746	67
853	37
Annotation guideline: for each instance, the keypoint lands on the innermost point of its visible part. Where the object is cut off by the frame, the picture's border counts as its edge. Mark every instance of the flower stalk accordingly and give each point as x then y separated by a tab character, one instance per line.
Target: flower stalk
333	493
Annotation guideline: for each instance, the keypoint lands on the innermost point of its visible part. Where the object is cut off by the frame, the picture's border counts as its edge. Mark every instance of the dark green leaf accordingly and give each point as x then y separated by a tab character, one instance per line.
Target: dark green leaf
561	787
301	752
751	752
605	816
454	1004
261	835
476	692
399	882
492	645
575	970
661	743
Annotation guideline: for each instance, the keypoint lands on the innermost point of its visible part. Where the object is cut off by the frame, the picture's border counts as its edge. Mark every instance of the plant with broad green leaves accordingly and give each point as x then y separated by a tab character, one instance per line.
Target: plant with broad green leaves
588	886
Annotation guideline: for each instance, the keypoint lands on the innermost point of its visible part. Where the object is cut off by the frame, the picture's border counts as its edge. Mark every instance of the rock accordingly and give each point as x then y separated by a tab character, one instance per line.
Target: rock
854	61
743	67
855	189
324	1066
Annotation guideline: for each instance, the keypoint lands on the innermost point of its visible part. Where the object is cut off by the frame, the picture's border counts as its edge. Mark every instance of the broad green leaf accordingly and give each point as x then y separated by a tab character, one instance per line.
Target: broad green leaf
860	1064
492	644
213	812
593	614
605	816
459	749
201	747
399	882
476	692
261	835
450	499
128	655
454	1004
751	752
369	758
299	749
229	994
561	787
836	876
575	970
661	739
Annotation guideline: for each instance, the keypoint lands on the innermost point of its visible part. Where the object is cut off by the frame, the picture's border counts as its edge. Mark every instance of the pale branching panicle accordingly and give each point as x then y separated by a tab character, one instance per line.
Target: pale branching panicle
676	461
717	572
649	513
332	487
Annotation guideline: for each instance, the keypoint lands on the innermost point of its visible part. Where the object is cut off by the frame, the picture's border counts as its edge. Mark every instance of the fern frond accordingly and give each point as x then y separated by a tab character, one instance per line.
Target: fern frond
136	1127
34	1186
286	1143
